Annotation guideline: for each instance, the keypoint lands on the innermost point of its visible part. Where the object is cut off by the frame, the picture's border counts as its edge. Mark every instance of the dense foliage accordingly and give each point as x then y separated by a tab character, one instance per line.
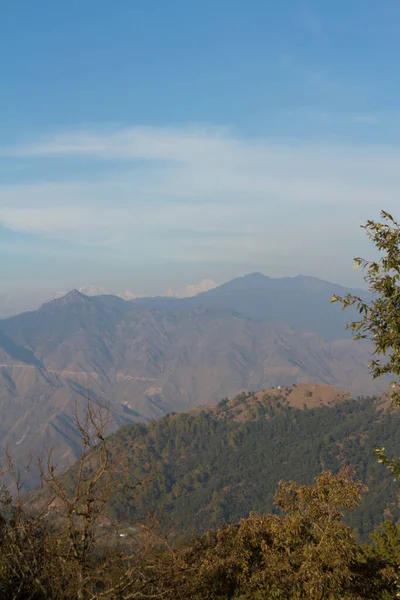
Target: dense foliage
205	470
380	317
304	551
379	320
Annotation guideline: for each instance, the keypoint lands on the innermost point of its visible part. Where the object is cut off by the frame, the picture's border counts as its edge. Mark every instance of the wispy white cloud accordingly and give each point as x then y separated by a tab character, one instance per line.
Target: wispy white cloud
203	180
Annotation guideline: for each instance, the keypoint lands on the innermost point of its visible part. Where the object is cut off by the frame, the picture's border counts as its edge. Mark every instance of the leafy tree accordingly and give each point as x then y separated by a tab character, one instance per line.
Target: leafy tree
306	552
380	316
386	542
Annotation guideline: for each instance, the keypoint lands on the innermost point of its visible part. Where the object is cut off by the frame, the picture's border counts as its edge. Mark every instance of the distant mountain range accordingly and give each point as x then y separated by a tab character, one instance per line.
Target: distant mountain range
302	303
13	304
150	356
184	292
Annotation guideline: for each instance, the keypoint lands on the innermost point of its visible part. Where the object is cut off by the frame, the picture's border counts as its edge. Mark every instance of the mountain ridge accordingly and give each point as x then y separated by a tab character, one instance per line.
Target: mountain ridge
296	301
215	464
151	360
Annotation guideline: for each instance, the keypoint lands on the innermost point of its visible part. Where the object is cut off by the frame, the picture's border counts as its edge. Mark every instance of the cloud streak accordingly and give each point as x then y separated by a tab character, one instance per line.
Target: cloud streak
239	196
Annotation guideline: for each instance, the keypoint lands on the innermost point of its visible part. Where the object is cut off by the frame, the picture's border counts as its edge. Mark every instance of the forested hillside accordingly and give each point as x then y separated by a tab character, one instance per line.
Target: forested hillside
202	469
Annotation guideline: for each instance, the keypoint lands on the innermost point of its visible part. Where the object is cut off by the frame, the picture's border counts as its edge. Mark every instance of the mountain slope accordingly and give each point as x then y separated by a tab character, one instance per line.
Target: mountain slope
300	302
147	362
215	465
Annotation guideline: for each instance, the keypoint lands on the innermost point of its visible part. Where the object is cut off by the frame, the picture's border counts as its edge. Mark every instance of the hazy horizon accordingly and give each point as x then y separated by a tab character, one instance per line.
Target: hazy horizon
15	302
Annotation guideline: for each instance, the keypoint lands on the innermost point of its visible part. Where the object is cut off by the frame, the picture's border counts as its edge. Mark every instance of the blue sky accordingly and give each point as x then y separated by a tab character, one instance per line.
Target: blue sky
147	144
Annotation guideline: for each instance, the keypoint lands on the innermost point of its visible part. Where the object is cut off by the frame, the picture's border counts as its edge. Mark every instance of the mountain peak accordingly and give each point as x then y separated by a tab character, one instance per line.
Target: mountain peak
255	275
73	297
246	282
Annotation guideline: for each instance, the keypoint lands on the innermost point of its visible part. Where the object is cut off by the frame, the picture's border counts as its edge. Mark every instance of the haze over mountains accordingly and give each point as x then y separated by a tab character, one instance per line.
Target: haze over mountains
151	356
13	304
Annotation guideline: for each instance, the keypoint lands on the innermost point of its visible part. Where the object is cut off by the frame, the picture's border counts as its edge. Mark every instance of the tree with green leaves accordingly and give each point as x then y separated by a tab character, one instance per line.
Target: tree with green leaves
304	552
380	316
